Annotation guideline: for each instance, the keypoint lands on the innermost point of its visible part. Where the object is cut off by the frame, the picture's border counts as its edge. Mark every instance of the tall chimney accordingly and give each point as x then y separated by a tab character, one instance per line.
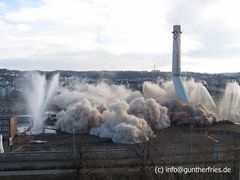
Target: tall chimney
176	54
176	65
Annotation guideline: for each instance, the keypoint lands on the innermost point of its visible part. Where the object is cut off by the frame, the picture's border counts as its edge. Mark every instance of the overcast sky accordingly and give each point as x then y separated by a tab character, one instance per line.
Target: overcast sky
119	34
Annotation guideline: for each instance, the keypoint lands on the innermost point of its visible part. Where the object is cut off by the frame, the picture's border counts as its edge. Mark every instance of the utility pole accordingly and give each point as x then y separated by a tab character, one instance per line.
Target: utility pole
74	146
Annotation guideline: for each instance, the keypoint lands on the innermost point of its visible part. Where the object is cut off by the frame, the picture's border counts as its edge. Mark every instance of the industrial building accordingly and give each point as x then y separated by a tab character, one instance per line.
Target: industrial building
8	126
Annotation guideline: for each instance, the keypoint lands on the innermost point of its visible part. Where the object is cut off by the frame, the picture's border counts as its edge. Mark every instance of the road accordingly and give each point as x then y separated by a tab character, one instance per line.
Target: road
35	172
122	156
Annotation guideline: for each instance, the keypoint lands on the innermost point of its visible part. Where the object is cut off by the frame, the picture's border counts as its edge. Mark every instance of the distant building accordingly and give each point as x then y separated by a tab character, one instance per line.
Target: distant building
155	70
8	126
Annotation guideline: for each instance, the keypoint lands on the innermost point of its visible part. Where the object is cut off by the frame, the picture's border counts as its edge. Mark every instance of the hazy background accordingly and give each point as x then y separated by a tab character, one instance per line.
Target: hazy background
119	34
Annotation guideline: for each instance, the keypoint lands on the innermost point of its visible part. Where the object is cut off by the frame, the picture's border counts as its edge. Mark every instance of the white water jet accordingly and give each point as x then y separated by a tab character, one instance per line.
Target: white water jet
229	107
38	96
1	144
199	95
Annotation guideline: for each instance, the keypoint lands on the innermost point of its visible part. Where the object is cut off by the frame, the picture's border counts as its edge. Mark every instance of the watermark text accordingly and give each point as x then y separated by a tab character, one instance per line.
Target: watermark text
188	170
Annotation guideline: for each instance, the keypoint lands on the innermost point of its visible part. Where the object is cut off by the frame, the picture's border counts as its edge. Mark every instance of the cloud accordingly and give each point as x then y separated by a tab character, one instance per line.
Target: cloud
137	30
224	11
2	5
4	26
23	27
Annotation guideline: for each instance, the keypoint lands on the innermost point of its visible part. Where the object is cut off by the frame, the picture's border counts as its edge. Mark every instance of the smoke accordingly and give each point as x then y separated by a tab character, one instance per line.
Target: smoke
151	90
116	112
186	114
165	91
155	114
78	116
199	112
100	94
122	127
111	111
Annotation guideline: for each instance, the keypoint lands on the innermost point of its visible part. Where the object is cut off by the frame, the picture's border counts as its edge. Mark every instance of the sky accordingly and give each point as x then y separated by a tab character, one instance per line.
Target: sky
119	34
